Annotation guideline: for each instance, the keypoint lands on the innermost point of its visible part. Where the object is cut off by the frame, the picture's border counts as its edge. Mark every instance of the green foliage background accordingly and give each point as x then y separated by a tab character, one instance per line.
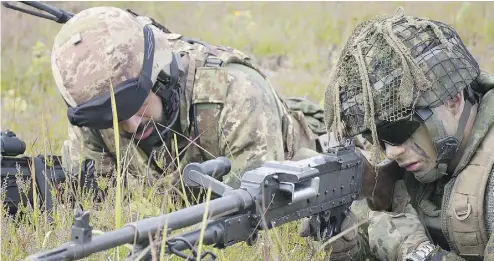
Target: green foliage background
296	43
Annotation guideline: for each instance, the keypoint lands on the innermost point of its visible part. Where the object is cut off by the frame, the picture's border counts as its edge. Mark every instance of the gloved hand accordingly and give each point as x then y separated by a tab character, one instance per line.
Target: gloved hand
344	248
393	235
379	183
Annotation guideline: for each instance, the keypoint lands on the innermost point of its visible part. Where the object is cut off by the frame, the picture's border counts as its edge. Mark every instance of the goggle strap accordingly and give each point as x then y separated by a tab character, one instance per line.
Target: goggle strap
147	66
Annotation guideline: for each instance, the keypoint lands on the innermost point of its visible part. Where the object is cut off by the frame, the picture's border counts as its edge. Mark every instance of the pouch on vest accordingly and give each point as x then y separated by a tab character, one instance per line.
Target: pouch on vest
208	98
465	211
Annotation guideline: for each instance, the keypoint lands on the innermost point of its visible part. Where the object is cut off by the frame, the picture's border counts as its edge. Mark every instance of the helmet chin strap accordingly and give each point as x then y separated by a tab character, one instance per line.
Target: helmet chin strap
445	145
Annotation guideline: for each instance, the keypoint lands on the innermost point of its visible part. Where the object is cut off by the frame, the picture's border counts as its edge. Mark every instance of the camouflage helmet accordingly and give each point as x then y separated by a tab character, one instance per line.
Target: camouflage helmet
102	47
392	65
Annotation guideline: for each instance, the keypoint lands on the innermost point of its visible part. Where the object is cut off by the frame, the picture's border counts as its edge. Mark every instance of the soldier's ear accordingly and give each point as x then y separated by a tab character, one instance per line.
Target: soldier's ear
454	105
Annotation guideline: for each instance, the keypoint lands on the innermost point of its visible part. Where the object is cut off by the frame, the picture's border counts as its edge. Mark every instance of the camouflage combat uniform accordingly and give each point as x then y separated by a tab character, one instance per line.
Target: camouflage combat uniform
224	99
454	212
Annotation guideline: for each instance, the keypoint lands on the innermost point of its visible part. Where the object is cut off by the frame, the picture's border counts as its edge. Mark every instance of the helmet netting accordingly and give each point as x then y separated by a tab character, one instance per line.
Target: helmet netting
389	66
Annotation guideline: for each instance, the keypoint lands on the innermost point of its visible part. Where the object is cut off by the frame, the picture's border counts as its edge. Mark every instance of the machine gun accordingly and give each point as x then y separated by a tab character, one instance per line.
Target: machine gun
45	170
321	187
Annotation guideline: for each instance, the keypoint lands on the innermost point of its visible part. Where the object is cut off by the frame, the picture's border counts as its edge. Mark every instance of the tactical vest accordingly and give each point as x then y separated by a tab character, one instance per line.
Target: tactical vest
204	100
460	216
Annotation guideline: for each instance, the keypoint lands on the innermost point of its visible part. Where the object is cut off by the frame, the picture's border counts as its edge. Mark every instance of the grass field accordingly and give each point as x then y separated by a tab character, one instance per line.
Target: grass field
295	43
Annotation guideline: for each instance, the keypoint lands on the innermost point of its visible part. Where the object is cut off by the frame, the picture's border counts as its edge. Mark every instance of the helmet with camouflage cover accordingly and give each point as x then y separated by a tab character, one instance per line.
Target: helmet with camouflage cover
394	69
102	47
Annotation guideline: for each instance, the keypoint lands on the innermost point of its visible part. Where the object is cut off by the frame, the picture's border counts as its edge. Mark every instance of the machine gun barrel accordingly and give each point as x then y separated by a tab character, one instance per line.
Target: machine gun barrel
83	245
220	233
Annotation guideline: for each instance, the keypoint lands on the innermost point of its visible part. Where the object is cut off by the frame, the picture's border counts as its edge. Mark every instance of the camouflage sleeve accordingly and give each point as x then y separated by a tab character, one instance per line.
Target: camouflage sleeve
250	123
391	235
84	143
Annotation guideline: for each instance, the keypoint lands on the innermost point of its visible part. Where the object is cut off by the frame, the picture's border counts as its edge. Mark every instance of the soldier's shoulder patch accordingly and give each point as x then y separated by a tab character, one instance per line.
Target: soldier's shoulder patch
210	85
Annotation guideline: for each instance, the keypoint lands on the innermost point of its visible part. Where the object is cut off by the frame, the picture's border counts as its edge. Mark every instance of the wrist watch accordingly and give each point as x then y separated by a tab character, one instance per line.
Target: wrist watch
421	253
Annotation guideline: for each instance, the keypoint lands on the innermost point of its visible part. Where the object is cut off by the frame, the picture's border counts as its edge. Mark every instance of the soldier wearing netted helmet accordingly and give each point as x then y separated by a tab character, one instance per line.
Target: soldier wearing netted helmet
411	87
177	101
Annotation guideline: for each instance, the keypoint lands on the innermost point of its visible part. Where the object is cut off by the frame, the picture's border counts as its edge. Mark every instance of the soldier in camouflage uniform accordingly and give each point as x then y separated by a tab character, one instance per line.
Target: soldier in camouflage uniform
213	99
411	88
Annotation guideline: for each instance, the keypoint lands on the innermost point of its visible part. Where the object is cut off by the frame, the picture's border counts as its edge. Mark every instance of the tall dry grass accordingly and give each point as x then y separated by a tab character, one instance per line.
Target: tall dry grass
296	43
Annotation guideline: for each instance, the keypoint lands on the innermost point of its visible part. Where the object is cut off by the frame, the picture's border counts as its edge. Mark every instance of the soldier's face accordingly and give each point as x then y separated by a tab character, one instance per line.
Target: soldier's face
141	123
418	154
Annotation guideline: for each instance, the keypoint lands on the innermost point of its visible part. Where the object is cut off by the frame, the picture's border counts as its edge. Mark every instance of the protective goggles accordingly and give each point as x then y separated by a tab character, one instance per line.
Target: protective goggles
397	132
129	95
